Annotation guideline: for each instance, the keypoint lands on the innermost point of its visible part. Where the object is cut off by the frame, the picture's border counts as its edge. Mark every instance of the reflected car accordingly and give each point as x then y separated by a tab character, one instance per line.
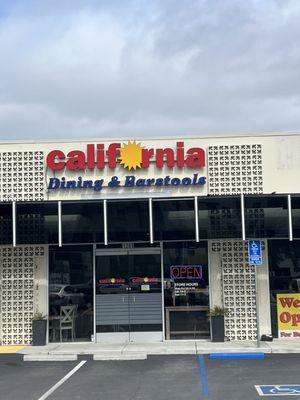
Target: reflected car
62	295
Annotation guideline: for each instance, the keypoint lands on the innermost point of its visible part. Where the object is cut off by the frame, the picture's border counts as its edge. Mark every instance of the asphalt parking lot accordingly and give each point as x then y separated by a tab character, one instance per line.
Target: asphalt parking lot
157	378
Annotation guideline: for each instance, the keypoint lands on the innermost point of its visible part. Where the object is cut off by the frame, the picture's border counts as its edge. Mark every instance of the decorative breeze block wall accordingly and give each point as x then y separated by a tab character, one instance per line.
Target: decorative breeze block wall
22	176
234	169
19	292
238	289
238	292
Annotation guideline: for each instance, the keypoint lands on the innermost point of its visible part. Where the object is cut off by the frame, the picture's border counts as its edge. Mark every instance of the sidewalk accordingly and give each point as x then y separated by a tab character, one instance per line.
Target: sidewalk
138	351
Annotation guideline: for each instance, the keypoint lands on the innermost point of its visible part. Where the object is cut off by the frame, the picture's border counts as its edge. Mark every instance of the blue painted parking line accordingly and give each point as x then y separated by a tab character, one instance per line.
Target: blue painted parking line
203	375
278	390
238	355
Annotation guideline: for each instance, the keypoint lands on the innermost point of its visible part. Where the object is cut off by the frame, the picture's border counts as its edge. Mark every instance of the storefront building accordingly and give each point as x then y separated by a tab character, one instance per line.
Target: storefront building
135	240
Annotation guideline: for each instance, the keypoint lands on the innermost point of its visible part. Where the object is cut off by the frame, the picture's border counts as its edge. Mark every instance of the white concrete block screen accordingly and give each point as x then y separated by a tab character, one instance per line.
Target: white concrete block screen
137	240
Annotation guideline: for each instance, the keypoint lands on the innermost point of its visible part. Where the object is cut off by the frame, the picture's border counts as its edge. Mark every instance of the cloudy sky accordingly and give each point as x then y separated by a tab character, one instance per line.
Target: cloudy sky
101	68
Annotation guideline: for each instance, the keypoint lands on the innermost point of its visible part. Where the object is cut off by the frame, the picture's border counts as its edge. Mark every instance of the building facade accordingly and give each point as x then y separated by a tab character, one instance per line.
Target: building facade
136	240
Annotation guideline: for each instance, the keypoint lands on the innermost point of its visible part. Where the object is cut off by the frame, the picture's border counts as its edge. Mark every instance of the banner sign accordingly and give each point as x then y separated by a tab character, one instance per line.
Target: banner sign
255	253
288	315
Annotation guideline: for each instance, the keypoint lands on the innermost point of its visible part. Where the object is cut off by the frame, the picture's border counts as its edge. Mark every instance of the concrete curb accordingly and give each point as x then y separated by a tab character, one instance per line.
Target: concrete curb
50	357
237	350
120	357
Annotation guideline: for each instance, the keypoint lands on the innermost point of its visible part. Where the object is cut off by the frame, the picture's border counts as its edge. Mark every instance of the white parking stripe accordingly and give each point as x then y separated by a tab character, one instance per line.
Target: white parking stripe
64	379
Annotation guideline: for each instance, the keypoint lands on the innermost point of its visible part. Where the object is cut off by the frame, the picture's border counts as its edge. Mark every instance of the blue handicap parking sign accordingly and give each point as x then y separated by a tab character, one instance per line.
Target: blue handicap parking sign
255	254
278	390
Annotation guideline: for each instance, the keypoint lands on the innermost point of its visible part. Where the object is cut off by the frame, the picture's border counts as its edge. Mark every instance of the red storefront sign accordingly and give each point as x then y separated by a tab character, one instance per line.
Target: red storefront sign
131	155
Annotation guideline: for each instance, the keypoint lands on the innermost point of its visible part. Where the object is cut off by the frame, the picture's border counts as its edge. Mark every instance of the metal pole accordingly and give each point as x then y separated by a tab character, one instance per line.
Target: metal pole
94	293
59	225
162	290
196	218
243	217
290	218
151	220
14	223
257	307
105	221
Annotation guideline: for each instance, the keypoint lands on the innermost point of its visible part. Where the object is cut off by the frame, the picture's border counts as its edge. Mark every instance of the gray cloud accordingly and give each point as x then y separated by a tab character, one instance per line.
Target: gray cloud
100	69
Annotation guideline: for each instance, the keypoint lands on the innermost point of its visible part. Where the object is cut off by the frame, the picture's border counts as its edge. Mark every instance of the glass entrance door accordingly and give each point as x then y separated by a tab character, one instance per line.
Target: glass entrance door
128	295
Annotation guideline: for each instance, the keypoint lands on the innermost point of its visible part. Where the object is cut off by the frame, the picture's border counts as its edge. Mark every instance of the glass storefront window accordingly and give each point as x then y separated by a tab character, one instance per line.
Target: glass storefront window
6	223
173	219
37	223
82	222
71	310
295	200
128	295
266	217
284	273
186	290
128	221
219	218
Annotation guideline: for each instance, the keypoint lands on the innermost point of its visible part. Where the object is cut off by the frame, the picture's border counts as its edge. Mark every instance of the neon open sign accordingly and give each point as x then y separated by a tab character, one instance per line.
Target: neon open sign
186	272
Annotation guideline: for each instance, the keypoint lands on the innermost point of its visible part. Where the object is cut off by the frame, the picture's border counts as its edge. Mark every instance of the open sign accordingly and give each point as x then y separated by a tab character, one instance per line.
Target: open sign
186	272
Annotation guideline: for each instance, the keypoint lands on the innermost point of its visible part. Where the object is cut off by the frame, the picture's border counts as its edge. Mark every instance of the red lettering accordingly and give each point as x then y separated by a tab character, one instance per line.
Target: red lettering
76	160
90	149
295	319
95	157
180	154
286	301
52	158
100	156
196	157
296	303
285	334
285	317
160	157
146	155
112	152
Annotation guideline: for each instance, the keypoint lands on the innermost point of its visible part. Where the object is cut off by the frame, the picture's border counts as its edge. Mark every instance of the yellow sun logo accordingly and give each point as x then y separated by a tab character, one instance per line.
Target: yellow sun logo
131	155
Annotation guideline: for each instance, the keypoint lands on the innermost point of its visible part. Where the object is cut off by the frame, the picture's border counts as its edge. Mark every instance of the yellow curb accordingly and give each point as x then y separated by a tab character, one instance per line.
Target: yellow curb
10	349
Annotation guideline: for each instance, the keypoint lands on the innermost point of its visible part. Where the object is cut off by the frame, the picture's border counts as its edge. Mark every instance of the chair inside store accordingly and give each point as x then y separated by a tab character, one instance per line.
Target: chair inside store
65	323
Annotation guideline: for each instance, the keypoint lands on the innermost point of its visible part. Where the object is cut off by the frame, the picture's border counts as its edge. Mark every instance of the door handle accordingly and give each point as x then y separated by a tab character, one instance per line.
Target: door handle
123	299
134	299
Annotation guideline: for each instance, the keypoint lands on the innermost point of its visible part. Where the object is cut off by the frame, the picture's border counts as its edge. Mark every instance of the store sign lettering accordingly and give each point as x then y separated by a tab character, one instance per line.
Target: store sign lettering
130	155
186	272
128	181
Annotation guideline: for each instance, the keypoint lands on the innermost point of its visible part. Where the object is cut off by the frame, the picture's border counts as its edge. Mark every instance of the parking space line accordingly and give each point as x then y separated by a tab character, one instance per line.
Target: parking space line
203	375
60	382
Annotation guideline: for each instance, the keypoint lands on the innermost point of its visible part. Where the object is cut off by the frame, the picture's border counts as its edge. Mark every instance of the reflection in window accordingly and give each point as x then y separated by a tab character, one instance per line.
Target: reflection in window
37	223
5	224
128	221
82	222
296	216
174	219
70	293
266	217
284	271
186	290
219	218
